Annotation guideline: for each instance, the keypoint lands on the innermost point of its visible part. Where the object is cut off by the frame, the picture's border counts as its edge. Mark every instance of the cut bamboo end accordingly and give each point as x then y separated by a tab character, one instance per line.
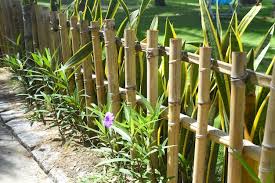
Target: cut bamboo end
99	72
174	108
203	110
130	66
267	160
112	65
237	112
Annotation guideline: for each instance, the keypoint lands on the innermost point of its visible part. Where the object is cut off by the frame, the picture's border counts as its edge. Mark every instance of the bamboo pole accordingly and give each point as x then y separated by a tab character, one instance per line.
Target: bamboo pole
203	109
66	48
174	108
28	40
75	47
34	27
87	69
130	66
99	72
152	85
55	45
237	112
112	65
267	160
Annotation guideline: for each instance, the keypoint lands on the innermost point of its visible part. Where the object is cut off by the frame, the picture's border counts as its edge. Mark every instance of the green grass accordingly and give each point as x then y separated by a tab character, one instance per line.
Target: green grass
185	16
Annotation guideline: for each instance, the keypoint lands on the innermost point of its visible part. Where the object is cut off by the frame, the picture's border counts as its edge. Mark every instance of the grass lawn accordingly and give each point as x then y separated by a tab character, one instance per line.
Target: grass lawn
185	16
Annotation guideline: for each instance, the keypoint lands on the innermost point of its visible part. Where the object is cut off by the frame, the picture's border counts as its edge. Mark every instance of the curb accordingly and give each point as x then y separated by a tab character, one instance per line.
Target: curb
13	118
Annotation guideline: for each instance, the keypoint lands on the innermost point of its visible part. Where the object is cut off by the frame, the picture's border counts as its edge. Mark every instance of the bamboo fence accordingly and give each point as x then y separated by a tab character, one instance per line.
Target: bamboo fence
90	79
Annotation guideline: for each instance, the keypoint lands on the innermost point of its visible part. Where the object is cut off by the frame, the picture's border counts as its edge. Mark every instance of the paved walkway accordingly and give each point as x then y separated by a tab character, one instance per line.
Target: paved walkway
16	164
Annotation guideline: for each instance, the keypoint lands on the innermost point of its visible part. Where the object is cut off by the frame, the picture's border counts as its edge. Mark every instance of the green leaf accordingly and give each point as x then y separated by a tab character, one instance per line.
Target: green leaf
125	8
154	23
112	9
263	47
110	161
247	19
249	170
79	56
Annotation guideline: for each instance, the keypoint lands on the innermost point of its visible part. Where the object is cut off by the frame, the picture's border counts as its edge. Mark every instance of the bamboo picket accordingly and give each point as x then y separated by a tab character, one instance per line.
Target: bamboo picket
130	66
174	95
203	109
87	69
66	47
37	34
267	161
99	72
237	112
75	47
111	61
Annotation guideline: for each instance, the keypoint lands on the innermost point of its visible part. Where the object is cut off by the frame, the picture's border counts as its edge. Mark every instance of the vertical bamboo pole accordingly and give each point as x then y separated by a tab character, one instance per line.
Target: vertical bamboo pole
130	66
152	84
66	47
112	65
174	108
152	66
34	27
55	45
27	11
75	47
267	160
237	112
99	72
87	68
203	109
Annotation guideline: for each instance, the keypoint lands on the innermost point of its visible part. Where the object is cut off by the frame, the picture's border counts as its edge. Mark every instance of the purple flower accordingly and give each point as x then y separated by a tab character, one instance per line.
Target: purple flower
109	119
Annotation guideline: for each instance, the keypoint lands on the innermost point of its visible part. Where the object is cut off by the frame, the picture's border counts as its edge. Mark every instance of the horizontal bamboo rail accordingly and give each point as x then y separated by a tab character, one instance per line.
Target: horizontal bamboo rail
256	78
216	135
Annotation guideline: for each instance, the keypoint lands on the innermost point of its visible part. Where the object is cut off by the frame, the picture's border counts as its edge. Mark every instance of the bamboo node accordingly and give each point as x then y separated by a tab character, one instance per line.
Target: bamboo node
83	31
200	136
269	147
231	151
174	61
171	102
99	87
204	102
131	87
241	78
152	52
204	69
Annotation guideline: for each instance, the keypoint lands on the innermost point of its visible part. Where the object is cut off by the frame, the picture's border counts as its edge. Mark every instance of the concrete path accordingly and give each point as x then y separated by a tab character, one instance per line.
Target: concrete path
16	164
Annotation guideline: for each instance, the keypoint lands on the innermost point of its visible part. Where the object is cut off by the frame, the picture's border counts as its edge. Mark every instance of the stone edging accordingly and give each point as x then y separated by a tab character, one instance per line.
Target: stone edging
12	116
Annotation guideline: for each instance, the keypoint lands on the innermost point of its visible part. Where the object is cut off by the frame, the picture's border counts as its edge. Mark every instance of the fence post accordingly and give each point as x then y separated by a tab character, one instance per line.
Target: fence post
152	84
130	66
27	12
237	112
55	44
112	65
87	68
203	109
34	27
66	47
75	47
99	72
267	160
174	108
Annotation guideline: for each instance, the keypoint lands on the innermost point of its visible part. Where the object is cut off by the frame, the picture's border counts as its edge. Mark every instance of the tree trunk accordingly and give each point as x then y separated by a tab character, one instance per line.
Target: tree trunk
160	2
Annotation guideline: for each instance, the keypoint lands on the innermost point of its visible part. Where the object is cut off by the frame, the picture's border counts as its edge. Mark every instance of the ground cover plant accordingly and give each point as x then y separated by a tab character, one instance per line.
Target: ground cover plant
126	138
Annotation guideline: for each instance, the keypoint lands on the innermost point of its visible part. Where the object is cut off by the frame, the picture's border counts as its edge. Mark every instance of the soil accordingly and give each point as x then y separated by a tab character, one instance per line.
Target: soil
76	160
